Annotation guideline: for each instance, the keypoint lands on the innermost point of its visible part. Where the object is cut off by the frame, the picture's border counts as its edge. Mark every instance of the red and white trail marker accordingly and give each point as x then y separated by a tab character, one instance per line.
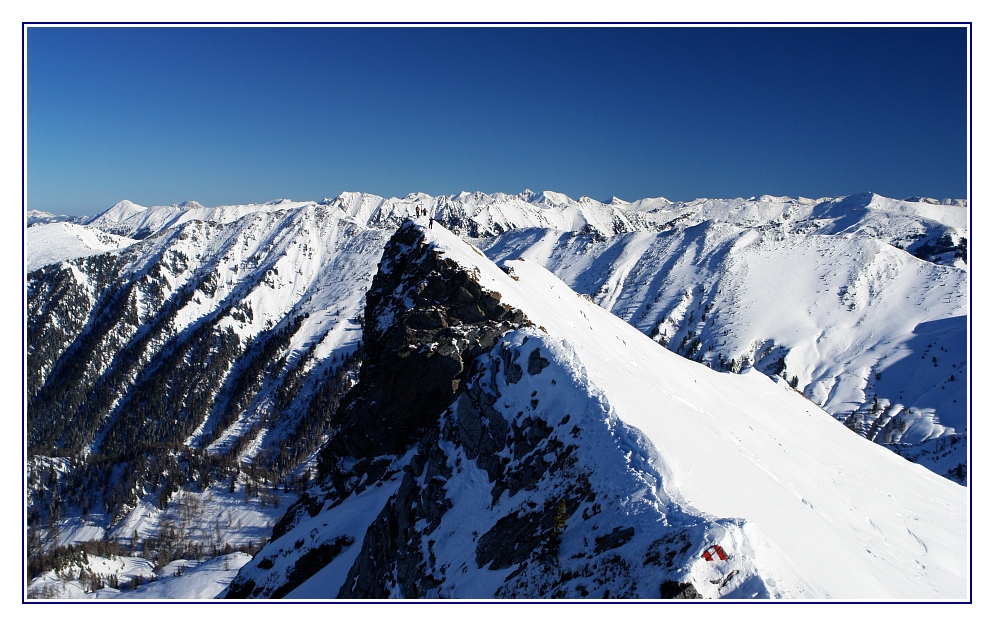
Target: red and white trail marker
714	552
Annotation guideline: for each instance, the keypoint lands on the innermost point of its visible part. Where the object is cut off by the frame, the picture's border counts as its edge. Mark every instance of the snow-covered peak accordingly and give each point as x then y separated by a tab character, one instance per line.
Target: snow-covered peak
649	204
898	222
527	195
121	211
551	199
769	198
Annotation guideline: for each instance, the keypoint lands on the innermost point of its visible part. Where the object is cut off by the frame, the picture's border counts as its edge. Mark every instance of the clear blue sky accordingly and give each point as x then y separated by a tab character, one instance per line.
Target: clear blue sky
238	115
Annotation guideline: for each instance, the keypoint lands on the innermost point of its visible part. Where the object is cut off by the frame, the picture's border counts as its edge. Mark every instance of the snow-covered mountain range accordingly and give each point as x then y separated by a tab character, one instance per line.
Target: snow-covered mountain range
863	299
213	345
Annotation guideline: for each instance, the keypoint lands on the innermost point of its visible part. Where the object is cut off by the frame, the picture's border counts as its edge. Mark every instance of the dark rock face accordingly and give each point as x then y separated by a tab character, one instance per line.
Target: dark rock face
617	537
308	564
536	363
485	434
426	320
392	553
397	552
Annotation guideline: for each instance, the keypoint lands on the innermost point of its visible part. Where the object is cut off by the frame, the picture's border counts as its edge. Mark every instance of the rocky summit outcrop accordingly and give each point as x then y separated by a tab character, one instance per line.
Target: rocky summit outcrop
472	460
426	319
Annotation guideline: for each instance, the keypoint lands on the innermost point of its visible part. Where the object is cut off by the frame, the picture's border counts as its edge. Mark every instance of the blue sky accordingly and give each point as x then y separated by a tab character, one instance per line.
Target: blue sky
238	115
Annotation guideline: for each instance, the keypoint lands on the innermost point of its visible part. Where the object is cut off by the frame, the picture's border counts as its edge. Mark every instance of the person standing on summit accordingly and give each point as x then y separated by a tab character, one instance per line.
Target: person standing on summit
431	220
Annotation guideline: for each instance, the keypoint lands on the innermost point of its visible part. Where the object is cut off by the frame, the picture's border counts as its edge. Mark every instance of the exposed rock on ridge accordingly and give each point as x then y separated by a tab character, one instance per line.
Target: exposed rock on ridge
426	319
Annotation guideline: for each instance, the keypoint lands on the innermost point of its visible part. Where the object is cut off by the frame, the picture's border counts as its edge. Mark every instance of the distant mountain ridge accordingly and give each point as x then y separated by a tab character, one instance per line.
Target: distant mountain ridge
479	214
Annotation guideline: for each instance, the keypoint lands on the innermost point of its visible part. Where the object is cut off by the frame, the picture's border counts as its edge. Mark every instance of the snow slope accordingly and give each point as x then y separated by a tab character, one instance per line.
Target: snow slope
179	580
629	461
850	519
48	243
838	306
843	311
32	217
262	270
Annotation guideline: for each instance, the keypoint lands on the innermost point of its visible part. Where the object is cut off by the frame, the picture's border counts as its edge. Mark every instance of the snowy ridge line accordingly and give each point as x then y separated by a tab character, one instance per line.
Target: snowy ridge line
540	486
479	214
